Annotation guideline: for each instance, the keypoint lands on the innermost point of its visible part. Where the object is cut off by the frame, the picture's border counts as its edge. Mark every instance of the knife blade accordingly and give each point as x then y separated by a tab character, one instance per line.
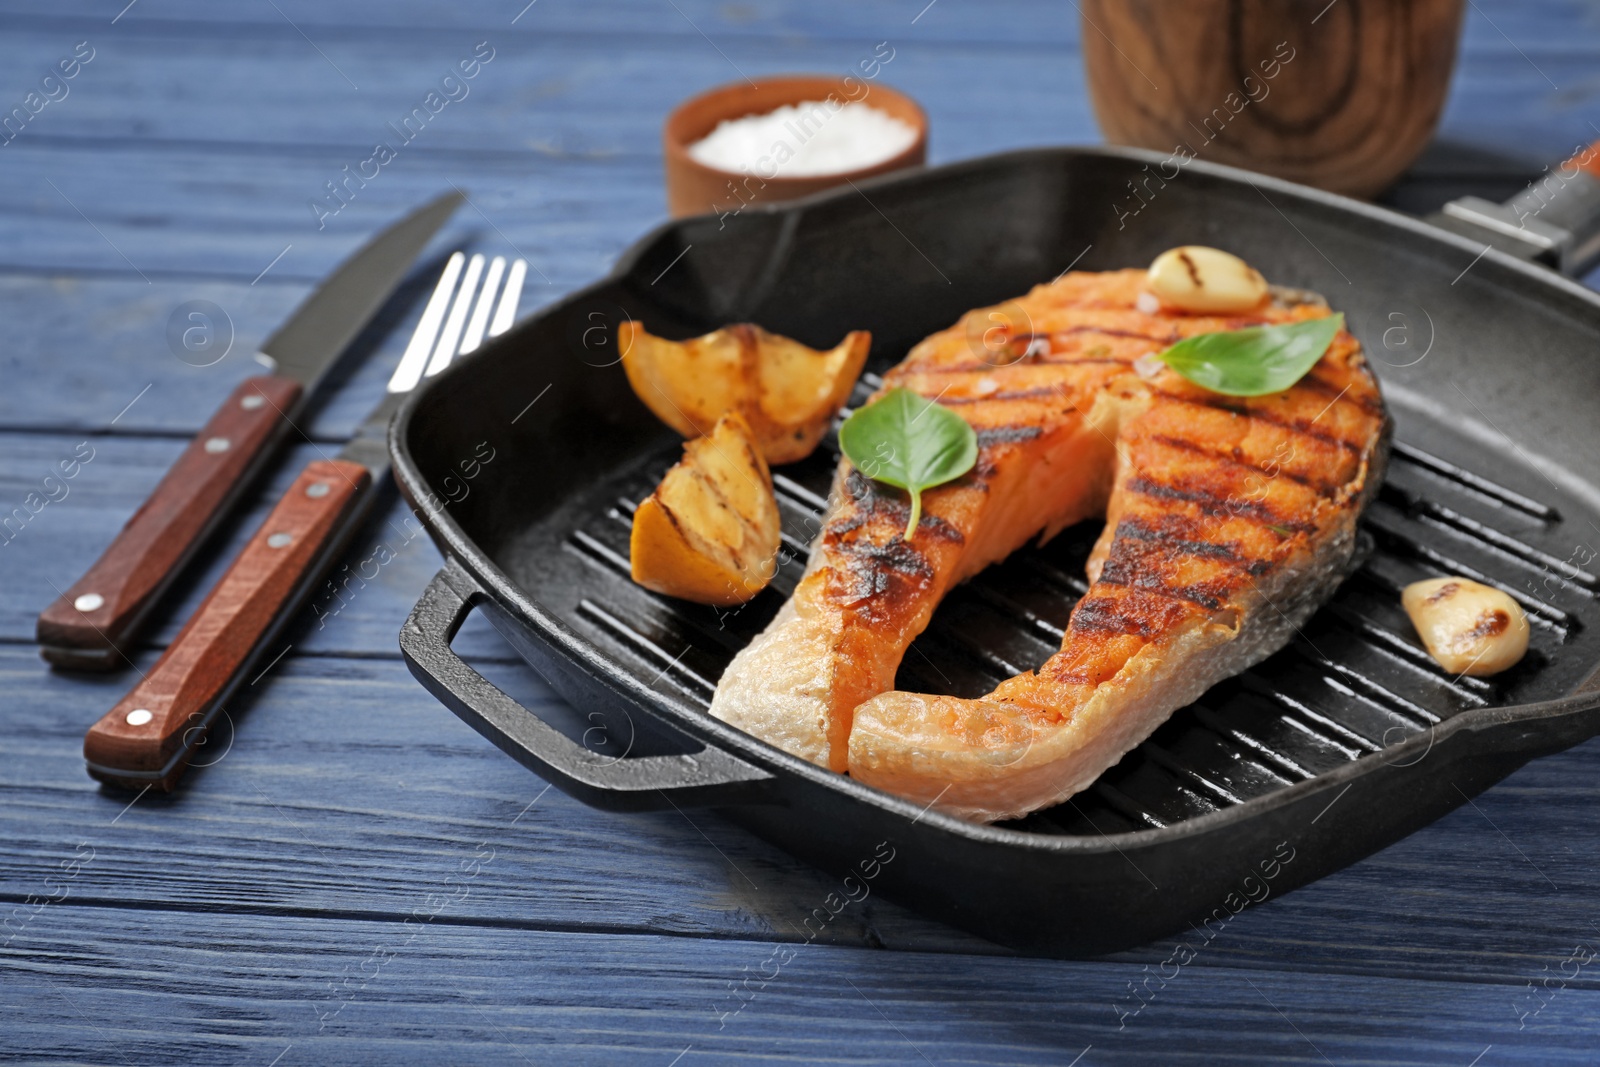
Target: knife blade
88	626
151	735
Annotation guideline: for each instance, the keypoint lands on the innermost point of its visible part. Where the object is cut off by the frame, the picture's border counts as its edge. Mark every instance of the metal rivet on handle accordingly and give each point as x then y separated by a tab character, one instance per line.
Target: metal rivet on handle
218	444
89	602
253	401
139	716
278	540
317	489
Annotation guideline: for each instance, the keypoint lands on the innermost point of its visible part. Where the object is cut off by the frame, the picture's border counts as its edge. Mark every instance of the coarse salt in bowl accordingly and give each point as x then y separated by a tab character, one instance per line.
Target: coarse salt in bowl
750	143
804	140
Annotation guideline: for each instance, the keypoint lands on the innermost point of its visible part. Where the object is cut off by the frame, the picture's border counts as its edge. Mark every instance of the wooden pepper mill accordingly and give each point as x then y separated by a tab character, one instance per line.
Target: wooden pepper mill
1342	95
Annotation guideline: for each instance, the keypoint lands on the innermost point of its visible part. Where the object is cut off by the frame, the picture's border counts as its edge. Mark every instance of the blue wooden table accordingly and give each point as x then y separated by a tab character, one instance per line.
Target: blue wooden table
358	877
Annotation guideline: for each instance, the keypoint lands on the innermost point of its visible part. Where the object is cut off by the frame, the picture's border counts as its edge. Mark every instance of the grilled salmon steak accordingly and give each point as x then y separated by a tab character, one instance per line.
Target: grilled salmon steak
1229	519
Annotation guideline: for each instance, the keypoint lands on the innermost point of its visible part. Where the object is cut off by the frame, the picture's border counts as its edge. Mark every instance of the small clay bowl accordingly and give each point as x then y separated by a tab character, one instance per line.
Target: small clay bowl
694	188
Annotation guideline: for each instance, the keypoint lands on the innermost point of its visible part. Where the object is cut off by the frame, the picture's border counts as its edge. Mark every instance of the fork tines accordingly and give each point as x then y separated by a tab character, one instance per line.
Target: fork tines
451	327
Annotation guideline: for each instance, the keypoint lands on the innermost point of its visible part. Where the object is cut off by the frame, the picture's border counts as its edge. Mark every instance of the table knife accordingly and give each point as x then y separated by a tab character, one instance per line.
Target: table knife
93	622
151	735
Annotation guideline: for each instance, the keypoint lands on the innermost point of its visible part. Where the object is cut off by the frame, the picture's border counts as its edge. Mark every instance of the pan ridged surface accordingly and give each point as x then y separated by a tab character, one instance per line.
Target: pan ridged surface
1354	680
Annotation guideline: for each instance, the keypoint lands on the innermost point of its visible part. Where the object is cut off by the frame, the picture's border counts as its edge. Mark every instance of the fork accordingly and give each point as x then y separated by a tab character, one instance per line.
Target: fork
437	339
152	734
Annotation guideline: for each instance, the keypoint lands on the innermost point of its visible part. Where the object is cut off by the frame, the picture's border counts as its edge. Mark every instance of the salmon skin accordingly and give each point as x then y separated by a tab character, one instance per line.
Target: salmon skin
1229	521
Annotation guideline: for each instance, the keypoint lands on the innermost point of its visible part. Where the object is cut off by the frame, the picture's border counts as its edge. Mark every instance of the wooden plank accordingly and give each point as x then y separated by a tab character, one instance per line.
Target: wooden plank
122	985
544	209
98	359
628	22
556	96
546	176
611	93
345	787
569	102
1542	29
334	784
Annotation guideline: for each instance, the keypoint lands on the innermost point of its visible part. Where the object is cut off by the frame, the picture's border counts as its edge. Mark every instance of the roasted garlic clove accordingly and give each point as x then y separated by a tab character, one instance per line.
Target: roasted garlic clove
1197	278
1469	628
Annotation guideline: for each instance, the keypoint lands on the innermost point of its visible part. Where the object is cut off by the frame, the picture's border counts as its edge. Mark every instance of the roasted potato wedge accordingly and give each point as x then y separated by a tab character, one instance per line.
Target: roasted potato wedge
787	393
709	533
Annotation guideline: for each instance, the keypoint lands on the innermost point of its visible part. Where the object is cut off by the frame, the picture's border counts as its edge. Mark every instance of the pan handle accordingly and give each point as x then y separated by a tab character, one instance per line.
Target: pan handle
642	783
1555	221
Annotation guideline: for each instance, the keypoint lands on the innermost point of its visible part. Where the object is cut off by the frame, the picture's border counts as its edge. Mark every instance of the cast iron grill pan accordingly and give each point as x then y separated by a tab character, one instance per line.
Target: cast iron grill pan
1353	705
1356	680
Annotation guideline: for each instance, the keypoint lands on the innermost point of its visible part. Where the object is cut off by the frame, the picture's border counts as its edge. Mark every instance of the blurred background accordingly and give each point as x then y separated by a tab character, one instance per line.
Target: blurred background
190	152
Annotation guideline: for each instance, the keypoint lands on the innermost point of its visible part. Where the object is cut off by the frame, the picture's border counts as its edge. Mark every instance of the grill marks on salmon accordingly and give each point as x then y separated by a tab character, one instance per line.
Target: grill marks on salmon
1228	521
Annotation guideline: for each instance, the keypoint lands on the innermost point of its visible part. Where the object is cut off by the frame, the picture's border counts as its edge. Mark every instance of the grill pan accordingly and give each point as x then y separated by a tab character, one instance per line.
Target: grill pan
1335	747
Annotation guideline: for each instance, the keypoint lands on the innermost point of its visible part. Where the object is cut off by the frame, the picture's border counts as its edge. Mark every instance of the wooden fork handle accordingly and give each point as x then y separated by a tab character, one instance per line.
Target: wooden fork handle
103	611
150	736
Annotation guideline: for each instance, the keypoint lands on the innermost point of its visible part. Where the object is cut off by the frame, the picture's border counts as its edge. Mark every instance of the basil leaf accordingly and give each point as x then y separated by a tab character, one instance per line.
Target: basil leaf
1253	361
908	442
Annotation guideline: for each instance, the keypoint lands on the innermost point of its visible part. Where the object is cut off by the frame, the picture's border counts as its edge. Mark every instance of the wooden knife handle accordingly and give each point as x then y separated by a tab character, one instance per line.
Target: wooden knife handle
93	621
150	736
